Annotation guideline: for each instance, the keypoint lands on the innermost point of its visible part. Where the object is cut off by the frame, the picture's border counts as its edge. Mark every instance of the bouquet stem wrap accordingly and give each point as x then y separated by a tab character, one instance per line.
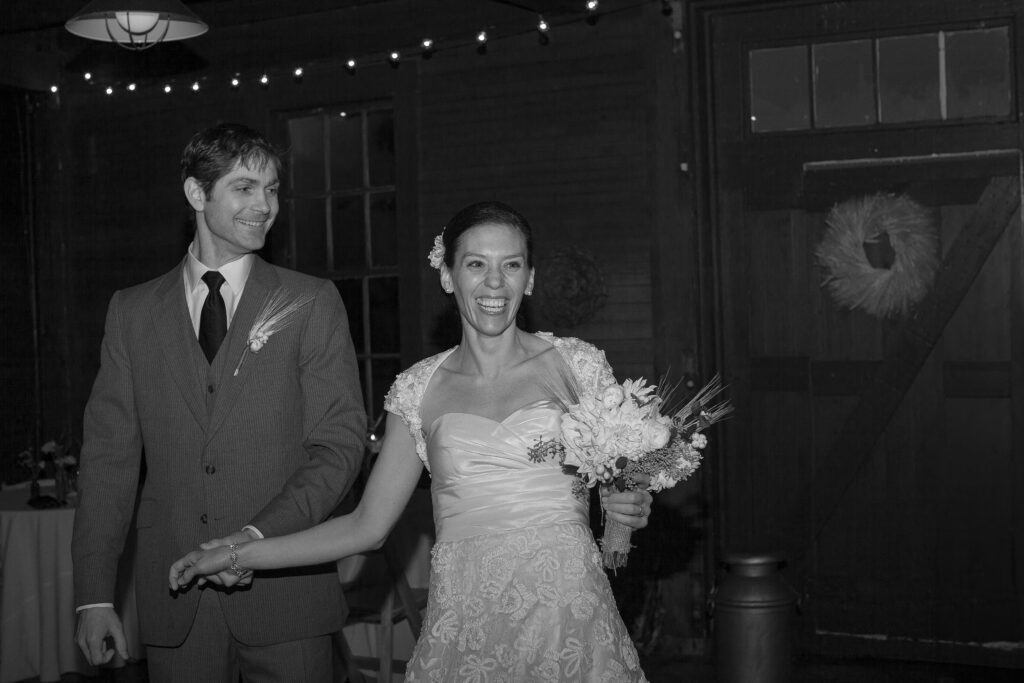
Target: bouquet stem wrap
615	544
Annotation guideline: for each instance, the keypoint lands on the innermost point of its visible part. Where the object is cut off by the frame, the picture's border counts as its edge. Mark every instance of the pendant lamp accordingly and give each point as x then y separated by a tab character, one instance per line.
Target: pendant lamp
136	24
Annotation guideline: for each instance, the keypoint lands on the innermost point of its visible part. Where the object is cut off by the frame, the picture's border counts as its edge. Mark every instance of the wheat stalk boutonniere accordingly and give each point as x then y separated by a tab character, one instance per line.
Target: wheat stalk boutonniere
279	308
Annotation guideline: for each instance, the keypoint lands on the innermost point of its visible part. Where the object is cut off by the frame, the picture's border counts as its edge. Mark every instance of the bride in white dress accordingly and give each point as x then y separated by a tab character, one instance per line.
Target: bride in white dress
517	588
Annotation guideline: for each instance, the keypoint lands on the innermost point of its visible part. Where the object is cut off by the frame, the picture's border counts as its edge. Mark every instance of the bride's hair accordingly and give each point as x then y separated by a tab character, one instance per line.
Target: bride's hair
478	214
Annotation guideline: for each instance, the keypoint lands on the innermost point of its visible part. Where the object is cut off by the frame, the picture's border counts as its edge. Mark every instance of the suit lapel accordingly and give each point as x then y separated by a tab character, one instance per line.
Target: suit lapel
262	281
177	339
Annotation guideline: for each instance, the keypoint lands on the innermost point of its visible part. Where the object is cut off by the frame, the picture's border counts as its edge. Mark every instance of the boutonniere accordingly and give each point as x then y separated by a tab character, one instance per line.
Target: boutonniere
279	309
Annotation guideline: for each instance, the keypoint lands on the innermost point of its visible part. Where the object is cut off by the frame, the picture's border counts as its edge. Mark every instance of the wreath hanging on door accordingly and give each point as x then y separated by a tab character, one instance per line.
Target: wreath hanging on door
880	253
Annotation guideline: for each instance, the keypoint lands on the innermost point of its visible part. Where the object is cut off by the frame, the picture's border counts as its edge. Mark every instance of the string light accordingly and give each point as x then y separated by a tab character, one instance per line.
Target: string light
427	47
53	89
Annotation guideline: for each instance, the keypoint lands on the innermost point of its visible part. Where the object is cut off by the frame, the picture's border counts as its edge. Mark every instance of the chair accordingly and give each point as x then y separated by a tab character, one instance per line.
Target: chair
381	595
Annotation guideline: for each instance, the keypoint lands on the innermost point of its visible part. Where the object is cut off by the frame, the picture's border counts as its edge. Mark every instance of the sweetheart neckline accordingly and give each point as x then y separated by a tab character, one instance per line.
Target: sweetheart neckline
502	421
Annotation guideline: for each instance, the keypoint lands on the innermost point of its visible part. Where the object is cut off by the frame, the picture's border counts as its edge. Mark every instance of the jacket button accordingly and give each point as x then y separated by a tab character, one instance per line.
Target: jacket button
210	469
202	518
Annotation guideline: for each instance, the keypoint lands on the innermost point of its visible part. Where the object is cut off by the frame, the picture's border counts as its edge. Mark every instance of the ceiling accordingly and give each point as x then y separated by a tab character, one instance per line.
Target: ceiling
36	51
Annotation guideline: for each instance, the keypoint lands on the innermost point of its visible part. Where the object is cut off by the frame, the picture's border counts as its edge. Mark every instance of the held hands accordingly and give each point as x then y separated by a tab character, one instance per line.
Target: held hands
210	564
631	508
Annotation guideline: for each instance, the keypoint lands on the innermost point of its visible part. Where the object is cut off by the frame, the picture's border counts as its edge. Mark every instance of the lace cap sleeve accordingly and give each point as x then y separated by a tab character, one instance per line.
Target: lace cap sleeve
587	362
406	395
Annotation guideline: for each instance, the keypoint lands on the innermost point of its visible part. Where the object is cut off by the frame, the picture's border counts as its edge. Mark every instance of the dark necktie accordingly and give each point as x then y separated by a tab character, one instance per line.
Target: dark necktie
213	319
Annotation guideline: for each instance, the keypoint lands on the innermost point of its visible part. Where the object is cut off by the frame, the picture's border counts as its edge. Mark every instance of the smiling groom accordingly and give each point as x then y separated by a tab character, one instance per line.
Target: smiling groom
245	423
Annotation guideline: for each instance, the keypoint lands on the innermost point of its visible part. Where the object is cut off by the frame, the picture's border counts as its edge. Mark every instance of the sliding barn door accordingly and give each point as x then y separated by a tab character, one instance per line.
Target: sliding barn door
883	454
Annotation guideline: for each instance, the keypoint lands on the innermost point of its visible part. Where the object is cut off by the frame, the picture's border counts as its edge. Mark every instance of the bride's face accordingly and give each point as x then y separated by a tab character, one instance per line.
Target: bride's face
489	276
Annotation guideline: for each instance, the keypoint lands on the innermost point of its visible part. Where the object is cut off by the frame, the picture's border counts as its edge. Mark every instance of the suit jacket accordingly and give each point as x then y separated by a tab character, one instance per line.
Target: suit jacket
276	446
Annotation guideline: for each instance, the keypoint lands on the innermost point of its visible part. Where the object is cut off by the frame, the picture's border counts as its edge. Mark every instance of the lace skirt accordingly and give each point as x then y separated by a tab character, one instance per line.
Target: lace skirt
527	605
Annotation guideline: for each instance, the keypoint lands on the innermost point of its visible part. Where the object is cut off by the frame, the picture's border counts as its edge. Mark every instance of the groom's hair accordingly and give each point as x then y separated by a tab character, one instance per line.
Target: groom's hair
213	153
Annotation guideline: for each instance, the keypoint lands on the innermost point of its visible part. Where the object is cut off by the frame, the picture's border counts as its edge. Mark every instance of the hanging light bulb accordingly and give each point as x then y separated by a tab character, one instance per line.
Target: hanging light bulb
235	82
264	81
393	59
428	48
131	87
167	88
350	67
87	75
542	32
297	74
195	86
142	25
592	15
481	42
53	89
109	90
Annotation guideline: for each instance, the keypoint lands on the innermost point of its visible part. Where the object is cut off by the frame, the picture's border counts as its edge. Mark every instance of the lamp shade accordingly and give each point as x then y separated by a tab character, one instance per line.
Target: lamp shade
136	24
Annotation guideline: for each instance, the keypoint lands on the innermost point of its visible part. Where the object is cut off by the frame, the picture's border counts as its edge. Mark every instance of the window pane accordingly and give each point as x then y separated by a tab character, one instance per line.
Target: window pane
384	372
908	78
844	84
383	229
310	225
381	147
351	291
384	314
306	152
349	226
978	73
346	152
779	92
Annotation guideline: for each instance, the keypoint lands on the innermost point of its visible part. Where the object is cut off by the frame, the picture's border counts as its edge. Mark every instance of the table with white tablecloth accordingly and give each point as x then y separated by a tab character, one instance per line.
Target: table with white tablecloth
37	608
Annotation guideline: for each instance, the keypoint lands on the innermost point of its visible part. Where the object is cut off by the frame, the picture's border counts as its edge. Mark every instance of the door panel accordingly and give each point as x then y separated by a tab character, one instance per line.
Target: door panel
911	545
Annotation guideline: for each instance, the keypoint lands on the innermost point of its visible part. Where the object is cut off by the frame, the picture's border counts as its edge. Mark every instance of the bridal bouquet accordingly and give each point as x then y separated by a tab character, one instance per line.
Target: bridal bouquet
625	431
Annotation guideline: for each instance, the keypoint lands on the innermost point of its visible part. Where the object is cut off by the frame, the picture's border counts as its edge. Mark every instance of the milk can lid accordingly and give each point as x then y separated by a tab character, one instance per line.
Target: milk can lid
752	559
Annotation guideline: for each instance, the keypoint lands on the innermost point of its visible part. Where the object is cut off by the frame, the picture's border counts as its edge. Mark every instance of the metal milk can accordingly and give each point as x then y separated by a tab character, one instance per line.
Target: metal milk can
753	610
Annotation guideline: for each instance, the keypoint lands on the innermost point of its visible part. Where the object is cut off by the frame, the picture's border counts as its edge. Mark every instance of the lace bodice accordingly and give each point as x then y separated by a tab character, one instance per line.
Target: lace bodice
586	362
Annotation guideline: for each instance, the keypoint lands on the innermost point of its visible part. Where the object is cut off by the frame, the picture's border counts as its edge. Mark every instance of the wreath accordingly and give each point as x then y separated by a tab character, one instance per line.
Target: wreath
880	253
572	287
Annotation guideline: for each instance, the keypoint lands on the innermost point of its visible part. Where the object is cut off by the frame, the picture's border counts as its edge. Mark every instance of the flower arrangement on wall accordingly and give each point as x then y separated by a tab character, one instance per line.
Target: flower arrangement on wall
880	253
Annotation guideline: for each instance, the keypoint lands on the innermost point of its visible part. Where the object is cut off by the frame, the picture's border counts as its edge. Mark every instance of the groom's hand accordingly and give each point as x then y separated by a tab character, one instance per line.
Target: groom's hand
226	578
95	626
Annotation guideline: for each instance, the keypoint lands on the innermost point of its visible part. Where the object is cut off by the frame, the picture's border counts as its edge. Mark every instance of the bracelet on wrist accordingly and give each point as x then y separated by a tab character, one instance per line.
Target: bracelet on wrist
235	568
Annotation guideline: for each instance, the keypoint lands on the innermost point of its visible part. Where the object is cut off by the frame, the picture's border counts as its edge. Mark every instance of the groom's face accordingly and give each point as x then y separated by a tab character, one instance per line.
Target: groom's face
239	211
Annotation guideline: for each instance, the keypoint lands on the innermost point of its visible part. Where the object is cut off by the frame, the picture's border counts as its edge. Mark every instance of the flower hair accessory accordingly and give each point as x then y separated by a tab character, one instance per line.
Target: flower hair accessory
277	313
436	255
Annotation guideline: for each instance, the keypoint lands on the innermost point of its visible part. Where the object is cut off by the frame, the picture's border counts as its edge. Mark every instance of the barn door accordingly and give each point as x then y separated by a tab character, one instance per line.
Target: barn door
880	451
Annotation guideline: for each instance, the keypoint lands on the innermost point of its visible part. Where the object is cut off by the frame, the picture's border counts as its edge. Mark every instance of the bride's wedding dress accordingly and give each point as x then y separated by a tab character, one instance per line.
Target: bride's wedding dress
517	588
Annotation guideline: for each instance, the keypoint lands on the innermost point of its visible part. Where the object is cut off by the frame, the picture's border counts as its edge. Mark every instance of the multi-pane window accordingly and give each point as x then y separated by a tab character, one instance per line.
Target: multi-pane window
343	227
938	76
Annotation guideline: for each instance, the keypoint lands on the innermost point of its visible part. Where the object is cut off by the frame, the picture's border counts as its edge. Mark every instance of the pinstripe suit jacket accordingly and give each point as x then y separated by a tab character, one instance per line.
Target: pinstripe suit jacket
276	446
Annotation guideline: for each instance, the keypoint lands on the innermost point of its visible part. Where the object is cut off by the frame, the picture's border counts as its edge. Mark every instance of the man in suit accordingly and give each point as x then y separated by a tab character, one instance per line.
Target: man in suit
243	432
